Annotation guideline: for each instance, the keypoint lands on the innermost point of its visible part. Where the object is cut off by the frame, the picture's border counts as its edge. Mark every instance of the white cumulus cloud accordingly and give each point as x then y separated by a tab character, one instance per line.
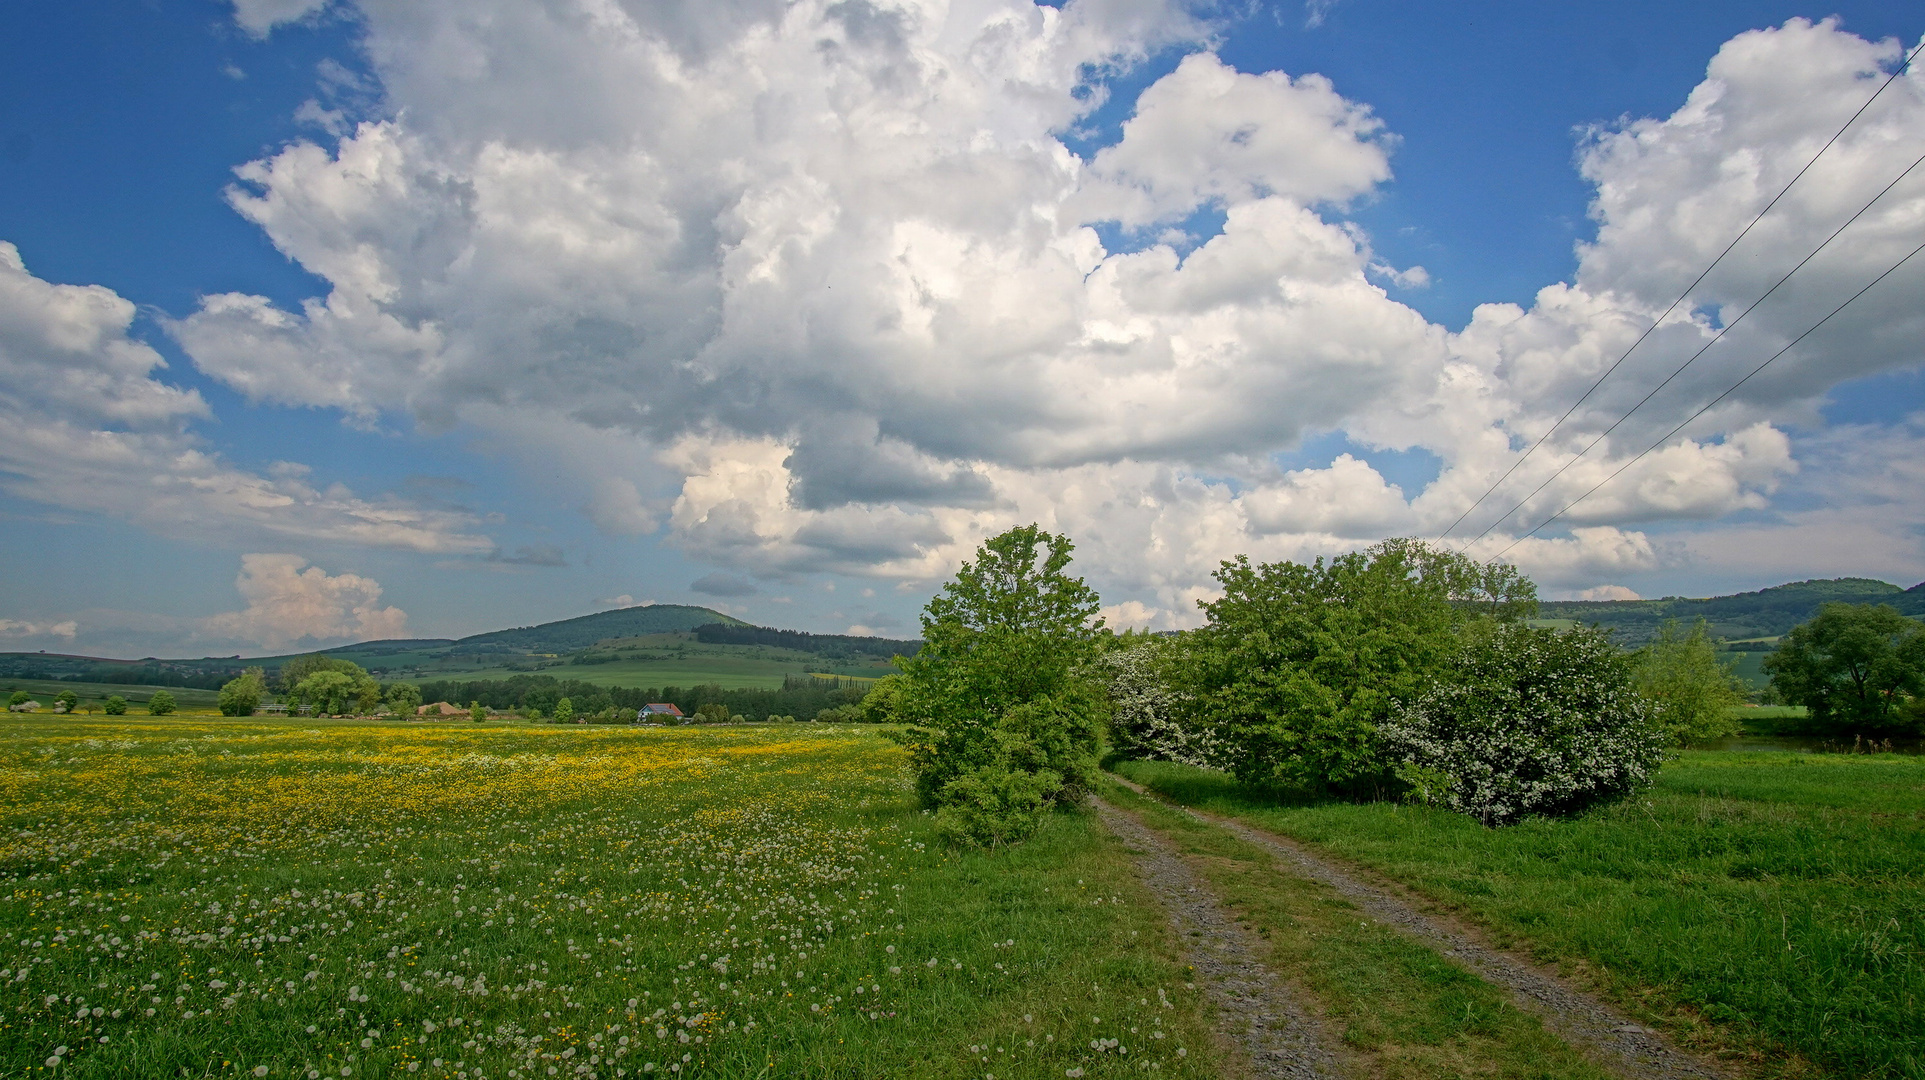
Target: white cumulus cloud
90	426
289	602
825	282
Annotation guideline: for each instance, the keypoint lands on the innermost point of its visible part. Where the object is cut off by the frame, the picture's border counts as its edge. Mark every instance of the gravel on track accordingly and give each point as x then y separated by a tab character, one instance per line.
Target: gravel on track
1254	1005
1573	1014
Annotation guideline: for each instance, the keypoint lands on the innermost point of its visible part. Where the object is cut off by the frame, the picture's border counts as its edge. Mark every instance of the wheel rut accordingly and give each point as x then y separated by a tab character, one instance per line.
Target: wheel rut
1573	1014
1255	1007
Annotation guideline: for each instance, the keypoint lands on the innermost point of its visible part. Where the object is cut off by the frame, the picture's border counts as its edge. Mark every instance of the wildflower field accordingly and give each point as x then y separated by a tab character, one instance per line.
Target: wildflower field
302	899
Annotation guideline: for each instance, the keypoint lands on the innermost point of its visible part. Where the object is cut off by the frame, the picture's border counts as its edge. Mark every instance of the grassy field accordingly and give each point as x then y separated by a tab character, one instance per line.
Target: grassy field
44	690
725	671
677	660
309	899
1776	896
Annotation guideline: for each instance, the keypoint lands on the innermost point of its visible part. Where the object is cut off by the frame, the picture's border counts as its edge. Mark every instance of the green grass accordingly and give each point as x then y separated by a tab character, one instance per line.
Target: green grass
1777	896
44	690
310	898
1403	1010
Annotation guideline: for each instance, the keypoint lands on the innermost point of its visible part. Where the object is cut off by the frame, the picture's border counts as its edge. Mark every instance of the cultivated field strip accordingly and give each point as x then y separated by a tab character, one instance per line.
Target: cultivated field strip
1574	1015
1256	1009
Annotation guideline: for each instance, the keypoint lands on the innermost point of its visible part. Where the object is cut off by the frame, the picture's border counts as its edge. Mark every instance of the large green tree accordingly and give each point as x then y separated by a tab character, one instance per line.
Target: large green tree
1856	667
242	695
1299	664
1004	723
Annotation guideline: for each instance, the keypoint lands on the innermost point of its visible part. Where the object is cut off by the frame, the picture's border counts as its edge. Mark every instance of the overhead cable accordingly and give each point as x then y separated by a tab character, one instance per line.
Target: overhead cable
1659	321
1714	401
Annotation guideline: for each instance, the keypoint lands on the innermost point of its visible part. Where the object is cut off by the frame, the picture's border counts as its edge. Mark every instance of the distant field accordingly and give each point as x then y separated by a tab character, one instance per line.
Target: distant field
458	902
44	690
724	671
1774	894
729	666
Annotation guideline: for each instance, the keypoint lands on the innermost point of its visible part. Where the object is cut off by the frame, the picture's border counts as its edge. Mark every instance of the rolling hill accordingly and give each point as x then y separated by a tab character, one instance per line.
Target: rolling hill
1765	614
658	644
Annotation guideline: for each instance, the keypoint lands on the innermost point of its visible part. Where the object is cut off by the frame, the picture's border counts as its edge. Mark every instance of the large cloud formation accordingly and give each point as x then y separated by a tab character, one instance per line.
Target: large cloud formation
828	274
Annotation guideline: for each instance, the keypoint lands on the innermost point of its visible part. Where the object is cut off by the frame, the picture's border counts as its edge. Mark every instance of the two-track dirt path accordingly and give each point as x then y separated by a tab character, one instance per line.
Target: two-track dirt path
1573	1014
1255	1006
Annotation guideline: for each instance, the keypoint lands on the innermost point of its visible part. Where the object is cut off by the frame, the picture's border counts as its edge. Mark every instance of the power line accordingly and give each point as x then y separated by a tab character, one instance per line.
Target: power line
1727	328
1659	321
1714	401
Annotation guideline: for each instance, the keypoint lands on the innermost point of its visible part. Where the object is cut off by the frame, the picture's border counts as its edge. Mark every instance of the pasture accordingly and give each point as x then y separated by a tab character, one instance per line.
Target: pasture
1775	895
94	694
312	899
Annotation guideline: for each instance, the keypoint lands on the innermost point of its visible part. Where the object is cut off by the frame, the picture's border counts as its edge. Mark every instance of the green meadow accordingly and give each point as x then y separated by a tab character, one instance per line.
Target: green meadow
1764	904
318	899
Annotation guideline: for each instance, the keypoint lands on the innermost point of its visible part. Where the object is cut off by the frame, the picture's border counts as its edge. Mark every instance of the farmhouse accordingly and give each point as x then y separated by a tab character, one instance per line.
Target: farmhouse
656	712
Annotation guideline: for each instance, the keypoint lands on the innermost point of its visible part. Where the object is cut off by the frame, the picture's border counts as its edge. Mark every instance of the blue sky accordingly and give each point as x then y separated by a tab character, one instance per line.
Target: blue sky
565	345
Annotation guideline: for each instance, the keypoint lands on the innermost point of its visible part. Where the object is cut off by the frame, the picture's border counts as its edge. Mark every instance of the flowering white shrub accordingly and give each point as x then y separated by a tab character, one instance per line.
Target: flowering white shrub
1149	717
1530	722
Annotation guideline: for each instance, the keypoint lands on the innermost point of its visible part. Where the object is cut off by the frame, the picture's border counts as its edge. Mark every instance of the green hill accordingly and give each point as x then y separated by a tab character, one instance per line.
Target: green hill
569	635
1767	613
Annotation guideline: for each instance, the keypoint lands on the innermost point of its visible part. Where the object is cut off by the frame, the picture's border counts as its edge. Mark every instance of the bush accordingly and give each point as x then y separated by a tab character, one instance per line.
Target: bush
841	714
713	713
115	706
161	704
67	701
1299	665
1529	722
1149	717
1693	691
993	805
565	711
996	690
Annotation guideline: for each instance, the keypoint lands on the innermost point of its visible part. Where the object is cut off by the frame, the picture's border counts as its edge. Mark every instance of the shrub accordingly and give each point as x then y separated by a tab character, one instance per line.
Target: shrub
1692	690
115	706
20	697
1528	722
993	805
1150	717
885	702
840	714
713	713
996	689
477	712
161	704
66	701
1299	665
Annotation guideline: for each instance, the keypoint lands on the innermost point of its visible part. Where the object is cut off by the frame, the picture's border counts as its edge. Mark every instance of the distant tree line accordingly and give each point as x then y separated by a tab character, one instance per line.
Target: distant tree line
124	675
726	634
802	696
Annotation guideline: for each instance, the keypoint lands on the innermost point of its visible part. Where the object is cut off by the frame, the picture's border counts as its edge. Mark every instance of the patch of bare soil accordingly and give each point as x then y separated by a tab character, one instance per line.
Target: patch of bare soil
1573	1014
1255	1007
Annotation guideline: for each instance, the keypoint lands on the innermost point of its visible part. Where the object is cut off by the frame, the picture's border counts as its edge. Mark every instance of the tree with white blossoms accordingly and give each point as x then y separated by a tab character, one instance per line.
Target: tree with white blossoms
1529	722
1149	715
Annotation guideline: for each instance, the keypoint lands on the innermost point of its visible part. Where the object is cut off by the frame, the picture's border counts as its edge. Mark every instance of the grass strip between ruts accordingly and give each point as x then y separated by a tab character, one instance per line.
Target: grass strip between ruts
1403	1011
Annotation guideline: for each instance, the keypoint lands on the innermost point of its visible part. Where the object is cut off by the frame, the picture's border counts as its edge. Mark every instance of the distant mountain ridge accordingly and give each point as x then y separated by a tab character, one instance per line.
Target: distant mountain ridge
1766	613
